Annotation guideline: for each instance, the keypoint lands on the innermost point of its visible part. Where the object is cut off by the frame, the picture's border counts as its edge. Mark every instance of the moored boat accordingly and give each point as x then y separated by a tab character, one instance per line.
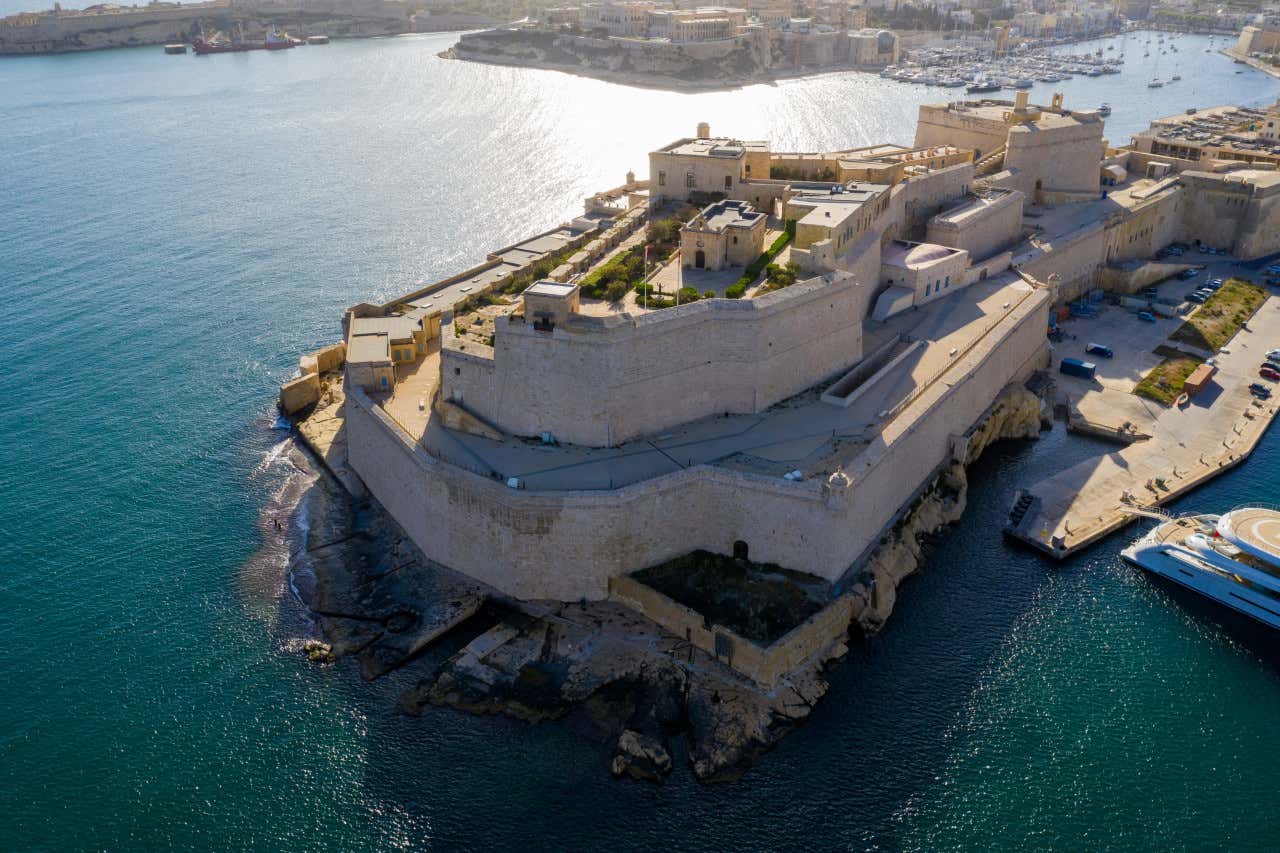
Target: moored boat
1233	559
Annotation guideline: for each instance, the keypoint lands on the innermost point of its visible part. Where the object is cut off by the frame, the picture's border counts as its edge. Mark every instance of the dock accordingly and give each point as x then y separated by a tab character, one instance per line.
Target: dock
1216	430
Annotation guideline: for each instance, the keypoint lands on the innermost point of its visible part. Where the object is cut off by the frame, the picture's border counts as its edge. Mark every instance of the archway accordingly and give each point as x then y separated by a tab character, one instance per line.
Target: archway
700	259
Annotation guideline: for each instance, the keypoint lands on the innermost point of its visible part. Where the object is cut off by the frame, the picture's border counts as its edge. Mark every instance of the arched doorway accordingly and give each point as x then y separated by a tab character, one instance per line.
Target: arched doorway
700	259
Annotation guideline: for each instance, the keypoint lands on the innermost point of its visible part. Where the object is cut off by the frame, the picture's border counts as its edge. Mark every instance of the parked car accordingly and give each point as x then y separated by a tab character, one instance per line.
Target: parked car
1269	373
1079	367
1099	349
1197	298
1186	275
1257	389
1275	353
1216	283
1146	316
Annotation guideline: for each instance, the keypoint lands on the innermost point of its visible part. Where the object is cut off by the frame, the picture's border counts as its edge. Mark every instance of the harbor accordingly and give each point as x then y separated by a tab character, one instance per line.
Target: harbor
1164	452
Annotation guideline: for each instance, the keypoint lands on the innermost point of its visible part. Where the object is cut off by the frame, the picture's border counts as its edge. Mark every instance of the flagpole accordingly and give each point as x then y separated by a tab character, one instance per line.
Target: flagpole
646	276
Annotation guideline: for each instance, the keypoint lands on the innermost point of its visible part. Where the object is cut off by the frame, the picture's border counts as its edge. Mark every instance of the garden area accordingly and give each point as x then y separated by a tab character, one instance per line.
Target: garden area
1166	380
1221	316
613	279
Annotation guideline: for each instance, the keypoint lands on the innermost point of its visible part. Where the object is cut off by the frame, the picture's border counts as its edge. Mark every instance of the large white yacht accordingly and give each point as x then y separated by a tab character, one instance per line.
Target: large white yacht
1232	558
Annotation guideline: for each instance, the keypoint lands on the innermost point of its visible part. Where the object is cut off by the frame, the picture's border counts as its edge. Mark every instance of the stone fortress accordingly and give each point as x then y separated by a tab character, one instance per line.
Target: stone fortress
583	439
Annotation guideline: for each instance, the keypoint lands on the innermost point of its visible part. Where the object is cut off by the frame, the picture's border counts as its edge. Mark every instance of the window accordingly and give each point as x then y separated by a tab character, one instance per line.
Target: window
662	179
735	241
927	289
689	180
948	281
728	182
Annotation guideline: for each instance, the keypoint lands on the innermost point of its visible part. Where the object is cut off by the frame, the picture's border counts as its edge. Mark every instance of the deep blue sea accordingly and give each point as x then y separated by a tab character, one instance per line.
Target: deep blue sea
174	231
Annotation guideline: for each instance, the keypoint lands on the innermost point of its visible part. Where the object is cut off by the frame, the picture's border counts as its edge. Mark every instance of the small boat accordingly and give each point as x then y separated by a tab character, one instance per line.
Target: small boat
317	39
984	86
1104	110
1175	78
1155	84
175	49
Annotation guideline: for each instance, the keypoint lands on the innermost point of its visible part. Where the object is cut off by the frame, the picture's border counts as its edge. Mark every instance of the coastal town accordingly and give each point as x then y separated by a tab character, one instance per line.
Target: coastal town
695	438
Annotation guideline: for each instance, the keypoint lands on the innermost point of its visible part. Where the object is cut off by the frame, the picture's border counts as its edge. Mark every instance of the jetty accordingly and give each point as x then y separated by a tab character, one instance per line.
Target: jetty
1183	447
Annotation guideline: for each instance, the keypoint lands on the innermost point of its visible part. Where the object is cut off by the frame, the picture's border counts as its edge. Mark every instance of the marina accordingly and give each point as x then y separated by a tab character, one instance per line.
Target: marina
1182	446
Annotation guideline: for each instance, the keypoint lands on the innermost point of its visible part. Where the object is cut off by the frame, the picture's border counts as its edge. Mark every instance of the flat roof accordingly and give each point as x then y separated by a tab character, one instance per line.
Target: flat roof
369	348
974	207
728	214
397	328
550	288
722	147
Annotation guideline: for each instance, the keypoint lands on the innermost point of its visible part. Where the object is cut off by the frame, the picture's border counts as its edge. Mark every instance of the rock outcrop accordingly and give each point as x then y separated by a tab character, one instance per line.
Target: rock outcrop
616	675
1016	414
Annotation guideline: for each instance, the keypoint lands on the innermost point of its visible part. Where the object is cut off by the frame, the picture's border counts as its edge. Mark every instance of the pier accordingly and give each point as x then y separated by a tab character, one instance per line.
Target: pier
1187	447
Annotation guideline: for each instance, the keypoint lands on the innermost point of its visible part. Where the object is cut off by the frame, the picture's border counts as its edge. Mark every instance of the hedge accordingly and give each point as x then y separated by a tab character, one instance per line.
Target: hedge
753	270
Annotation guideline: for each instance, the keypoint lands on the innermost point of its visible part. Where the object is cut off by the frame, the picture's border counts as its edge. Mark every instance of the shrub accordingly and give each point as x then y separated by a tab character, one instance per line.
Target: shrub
708	294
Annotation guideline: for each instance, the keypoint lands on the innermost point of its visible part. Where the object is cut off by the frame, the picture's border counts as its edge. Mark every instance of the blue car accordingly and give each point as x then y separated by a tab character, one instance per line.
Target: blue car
1146	317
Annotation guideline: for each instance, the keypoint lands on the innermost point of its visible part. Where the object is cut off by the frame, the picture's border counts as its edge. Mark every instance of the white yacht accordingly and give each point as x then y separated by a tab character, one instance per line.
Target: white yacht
1233	559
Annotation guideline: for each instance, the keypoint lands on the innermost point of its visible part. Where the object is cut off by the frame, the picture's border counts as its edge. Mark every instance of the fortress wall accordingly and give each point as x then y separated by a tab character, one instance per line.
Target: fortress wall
1146	230
1231	214
1261	233
1075	259
924	196
602	382
1062	159
937	125
984	233
566	545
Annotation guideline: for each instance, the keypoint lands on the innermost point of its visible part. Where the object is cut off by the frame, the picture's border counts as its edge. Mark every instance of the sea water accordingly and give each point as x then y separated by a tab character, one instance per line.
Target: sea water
174	231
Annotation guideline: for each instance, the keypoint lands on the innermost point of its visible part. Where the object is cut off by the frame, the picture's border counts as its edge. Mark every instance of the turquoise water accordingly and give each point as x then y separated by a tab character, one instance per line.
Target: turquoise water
174	231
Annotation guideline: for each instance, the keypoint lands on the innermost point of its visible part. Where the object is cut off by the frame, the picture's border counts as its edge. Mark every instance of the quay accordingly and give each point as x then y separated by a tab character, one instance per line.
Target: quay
1176	449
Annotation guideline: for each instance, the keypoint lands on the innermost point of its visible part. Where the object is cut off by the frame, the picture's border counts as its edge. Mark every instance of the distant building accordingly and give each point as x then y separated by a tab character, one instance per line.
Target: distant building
873	48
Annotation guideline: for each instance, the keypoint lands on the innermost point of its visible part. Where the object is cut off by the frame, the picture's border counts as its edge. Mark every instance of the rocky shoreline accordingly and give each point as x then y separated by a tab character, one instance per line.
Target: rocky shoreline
616	676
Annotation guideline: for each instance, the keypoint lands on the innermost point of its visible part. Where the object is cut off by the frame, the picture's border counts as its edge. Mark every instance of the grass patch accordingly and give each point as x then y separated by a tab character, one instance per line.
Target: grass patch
1166	380
1221	316
614	278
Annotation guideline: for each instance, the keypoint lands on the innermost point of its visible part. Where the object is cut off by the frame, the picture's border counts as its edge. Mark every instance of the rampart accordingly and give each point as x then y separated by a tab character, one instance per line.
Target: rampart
602	381
567	545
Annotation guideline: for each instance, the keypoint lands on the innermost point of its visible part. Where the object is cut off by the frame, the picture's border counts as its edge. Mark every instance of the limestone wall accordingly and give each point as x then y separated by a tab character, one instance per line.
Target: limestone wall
763	664
600	382
1062	159
566	545
937	125
982	232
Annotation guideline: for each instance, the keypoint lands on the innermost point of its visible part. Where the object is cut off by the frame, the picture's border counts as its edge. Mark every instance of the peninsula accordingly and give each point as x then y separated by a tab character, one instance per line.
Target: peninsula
100	26
665	461
649	43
